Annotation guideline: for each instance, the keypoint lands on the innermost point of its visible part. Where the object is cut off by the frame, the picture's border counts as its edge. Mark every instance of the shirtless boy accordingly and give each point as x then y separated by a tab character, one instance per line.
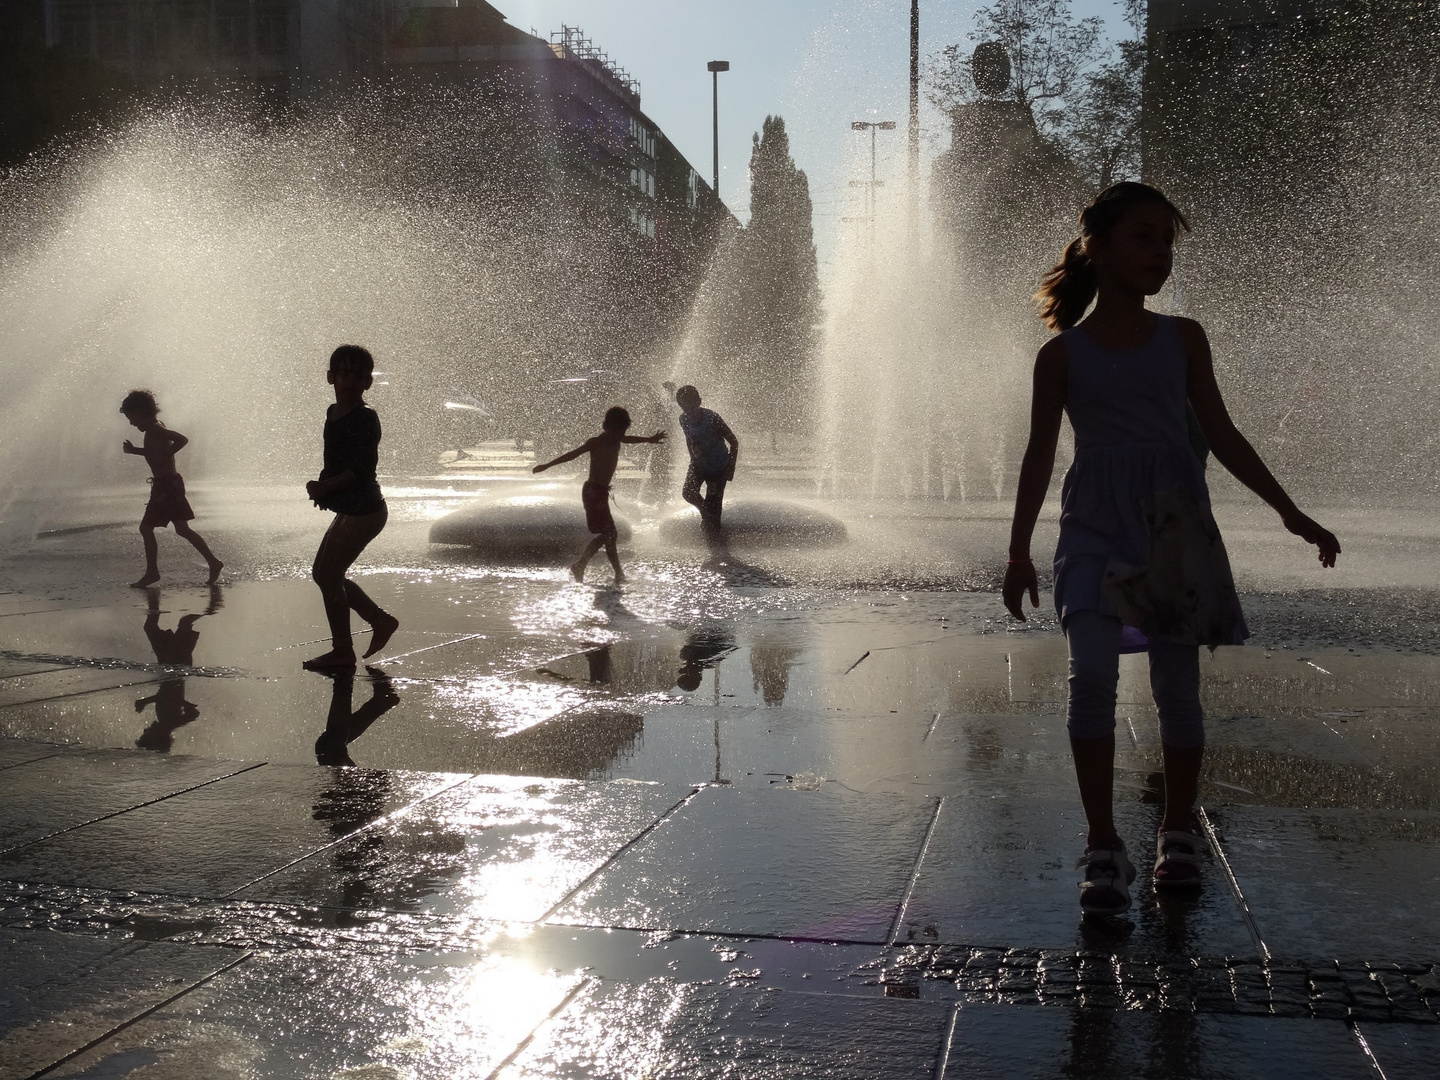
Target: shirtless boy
604	451
168	504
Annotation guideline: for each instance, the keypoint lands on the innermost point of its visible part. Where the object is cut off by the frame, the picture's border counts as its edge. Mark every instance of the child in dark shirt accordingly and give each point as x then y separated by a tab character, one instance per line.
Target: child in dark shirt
348	487
604	451
168	504
714	449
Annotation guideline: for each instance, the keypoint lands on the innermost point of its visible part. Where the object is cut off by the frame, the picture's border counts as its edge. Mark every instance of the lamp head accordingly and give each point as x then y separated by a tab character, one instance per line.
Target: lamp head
718	65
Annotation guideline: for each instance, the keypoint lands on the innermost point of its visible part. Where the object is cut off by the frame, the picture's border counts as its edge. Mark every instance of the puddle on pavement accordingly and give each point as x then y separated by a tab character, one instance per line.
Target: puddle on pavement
510	668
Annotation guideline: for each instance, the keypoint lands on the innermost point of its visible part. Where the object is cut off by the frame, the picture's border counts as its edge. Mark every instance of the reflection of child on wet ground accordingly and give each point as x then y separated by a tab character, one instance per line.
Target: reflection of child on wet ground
1139	556
699	654
346	724
604	451
168	503
172	648
348	487
714	450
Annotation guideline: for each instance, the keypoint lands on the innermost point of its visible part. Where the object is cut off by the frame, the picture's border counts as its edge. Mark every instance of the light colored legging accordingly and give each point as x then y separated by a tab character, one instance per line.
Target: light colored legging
1094	641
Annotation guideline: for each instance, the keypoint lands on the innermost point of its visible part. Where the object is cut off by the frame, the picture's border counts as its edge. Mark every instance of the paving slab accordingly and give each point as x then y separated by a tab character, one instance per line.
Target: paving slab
18	751
51	794
1291	682
303	1016
1404	1051
1379	758
475	726
237	626
666	1028
1032	1042
221	837
758	746
824	864
64	682
14	666
999	871
1339	883
493	849
916	754
59	992
637	956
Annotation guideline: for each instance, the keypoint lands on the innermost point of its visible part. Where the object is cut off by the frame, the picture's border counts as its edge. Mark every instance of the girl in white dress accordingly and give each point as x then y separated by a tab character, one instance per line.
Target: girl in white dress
1139	561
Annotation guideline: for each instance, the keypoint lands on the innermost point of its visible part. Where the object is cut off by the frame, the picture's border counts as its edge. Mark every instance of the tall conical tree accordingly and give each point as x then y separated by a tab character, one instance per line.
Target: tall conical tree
778	307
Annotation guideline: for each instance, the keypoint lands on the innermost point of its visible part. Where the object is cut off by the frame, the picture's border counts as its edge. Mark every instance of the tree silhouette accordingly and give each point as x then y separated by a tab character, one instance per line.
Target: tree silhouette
779	299
759	316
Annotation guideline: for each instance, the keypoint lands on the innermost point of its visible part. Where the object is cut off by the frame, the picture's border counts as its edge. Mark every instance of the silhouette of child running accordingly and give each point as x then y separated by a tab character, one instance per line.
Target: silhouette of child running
1139	556
348	487
168	504
714	450
604	451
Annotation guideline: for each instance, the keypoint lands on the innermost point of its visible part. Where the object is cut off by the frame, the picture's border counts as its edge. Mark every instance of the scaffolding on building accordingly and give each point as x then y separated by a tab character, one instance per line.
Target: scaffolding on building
570	42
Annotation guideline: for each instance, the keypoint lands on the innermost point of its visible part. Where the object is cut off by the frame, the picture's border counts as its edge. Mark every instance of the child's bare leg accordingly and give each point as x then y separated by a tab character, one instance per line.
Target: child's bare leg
577	568
344	541
152	568
612	554
382	624
337	614
182	528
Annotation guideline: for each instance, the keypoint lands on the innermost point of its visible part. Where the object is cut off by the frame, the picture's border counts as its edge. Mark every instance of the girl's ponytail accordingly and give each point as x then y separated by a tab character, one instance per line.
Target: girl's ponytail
1066	291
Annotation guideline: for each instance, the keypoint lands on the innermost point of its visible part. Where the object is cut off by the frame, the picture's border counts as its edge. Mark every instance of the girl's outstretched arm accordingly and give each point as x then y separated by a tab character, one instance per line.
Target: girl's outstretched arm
1234	451
1047	406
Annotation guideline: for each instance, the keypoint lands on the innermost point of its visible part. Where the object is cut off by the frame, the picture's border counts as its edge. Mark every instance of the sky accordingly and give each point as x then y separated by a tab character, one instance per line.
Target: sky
818	63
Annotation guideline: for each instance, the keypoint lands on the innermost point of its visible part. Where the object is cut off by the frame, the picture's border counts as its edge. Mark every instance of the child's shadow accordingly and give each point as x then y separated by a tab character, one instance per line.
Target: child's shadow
345	724
734	571
172	648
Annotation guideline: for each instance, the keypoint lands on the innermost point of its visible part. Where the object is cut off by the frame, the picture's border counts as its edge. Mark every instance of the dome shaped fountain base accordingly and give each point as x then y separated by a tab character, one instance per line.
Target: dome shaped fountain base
520	525
759	523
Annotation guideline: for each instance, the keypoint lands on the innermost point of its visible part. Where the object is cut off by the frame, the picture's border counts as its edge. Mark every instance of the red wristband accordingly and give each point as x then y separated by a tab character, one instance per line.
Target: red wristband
1014	562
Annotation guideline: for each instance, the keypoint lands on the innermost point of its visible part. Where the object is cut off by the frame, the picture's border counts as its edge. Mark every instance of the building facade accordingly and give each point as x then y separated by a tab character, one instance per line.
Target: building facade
290	51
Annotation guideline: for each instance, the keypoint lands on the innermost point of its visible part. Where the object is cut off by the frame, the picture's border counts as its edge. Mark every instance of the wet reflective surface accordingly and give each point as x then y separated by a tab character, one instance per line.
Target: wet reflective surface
736	818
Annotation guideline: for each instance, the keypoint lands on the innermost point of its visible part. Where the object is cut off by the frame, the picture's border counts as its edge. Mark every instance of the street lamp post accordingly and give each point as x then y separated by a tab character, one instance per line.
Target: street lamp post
873	126
913	224
715	67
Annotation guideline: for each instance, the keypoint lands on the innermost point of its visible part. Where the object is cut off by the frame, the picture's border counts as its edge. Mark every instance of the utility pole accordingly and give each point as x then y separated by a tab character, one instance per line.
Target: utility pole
715	67
913	222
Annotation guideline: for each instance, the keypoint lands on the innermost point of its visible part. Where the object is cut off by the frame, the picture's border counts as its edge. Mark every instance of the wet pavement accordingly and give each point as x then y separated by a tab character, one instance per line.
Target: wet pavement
741	817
